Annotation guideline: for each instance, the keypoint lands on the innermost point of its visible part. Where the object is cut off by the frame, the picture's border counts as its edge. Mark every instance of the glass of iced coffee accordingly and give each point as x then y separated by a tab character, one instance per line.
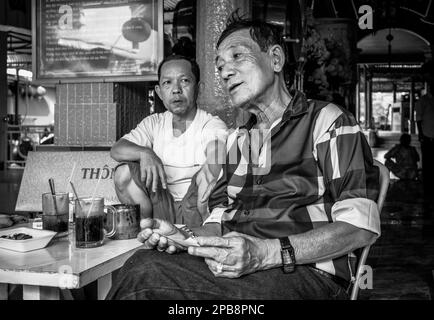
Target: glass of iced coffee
89	222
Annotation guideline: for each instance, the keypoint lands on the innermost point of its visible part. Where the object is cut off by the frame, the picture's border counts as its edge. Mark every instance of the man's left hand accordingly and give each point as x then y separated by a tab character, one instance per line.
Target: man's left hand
232	255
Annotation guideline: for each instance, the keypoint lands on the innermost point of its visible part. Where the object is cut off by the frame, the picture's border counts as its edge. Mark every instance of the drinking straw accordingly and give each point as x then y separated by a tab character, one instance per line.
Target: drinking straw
75	193
53	193
72	172
93	196
51	183
72	185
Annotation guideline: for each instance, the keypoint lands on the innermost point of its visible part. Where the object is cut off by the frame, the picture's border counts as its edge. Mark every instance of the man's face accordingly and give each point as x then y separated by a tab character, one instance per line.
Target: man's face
246	71
177	87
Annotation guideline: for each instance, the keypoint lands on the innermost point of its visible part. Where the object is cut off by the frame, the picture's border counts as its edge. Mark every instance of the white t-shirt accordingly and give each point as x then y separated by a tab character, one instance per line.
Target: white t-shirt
182	156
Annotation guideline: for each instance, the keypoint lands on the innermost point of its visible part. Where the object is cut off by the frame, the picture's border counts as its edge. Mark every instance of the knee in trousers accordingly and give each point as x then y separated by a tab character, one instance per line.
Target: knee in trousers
122	177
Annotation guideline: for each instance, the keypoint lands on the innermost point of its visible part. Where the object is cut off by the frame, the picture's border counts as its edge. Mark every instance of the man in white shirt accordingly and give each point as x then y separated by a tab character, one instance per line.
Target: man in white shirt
162	159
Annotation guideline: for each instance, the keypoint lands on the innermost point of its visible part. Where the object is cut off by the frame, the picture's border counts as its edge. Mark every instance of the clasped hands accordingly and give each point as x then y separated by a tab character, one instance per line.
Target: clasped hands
229	256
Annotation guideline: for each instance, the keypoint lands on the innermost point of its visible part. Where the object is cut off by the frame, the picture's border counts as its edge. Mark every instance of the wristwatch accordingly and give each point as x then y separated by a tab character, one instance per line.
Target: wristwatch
288	256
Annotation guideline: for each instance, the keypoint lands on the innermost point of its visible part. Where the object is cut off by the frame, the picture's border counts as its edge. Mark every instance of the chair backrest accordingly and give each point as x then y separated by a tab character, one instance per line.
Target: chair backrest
384	185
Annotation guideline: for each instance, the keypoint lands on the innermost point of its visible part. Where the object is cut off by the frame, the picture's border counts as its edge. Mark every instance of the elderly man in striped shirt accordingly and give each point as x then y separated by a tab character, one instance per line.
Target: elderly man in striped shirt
296	196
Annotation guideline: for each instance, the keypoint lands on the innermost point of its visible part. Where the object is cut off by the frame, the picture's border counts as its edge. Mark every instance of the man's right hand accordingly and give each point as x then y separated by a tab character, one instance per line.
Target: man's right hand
152	170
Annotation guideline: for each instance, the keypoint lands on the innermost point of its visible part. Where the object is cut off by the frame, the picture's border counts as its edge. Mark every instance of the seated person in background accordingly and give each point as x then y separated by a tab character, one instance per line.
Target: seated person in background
302	198
163	158
402	159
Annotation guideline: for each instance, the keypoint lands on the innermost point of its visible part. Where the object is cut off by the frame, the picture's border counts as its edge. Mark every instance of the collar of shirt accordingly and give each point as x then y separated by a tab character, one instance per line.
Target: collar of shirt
297	106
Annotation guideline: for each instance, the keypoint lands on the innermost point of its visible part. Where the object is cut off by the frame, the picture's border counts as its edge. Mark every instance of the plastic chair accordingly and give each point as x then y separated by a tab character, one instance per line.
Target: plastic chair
384	185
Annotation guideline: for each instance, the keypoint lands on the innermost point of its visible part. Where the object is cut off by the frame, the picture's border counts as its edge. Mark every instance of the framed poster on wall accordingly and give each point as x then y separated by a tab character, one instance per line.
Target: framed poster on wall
106	40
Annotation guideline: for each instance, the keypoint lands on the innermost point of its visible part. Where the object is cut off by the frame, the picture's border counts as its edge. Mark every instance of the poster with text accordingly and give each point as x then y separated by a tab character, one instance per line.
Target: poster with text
111	40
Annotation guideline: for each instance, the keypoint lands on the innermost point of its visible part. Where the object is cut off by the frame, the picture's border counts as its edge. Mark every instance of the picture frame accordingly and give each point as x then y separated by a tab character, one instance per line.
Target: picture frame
96	41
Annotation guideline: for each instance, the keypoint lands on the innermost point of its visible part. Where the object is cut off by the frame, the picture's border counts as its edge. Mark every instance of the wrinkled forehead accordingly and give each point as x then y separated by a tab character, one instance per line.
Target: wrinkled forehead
175	67
238	38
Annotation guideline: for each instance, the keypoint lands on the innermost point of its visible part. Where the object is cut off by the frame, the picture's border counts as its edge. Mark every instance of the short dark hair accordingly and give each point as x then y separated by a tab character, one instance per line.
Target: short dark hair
263	33
194	66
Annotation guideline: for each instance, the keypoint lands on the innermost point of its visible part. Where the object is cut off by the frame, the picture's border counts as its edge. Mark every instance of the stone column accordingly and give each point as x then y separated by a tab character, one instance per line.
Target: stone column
211	21
412	127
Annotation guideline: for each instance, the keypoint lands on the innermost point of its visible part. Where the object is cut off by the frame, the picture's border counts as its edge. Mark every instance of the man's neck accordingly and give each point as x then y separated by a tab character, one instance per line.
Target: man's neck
181	123
267	117
185	118
267	114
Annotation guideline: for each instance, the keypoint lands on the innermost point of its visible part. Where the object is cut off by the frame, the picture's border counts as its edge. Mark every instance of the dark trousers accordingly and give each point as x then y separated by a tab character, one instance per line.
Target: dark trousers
153	275
427	147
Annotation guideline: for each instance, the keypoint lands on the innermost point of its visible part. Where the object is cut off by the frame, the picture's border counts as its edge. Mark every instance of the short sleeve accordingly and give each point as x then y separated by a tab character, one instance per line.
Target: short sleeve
214	129
143	134
350	177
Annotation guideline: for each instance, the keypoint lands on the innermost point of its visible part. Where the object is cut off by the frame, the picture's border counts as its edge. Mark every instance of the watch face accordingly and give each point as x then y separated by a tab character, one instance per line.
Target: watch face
286	257
288	261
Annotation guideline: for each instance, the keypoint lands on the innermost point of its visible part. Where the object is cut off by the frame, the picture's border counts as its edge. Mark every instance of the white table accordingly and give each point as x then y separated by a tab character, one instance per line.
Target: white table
62	266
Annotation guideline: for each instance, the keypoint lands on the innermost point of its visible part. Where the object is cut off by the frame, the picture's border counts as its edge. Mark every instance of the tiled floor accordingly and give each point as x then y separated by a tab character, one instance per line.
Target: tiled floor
402	259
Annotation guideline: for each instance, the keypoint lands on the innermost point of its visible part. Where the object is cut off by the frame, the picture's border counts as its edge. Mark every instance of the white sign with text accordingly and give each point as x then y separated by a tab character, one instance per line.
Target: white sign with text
90	166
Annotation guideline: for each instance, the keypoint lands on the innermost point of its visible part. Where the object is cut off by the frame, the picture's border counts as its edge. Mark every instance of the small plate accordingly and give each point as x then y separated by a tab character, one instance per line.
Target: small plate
39	240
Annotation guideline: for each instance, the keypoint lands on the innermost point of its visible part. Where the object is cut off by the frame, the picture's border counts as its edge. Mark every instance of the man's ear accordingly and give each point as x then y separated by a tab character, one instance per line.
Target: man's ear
158	91
277	57
200	88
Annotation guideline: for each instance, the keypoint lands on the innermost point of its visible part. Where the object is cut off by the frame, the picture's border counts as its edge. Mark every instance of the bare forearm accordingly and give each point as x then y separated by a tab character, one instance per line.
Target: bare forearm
328	242
124	150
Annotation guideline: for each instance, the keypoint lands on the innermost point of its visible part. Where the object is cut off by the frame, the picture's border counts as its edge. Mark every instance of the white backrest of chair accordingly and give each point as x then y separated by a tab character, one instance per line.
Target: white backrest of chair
384	185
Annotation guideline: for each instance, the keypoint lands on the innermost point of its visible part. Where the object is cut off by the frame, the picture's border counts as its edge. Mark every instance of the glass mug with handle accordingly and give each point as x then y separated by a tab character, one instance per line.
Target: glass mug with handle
89	222
127	221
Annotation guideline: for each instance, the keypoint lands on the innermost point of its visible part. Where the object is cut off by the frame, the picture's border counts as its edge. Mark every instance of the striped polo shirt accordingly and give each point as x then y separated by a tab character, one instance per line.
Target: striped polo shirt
313	167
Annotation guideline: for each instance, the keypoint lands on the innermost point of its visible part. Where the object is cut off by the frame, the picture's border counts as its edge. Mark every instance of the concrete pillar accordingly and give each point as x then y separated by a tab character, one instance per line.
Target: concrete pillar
369	105
412	127
365	90
211	21
357	111
3	99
